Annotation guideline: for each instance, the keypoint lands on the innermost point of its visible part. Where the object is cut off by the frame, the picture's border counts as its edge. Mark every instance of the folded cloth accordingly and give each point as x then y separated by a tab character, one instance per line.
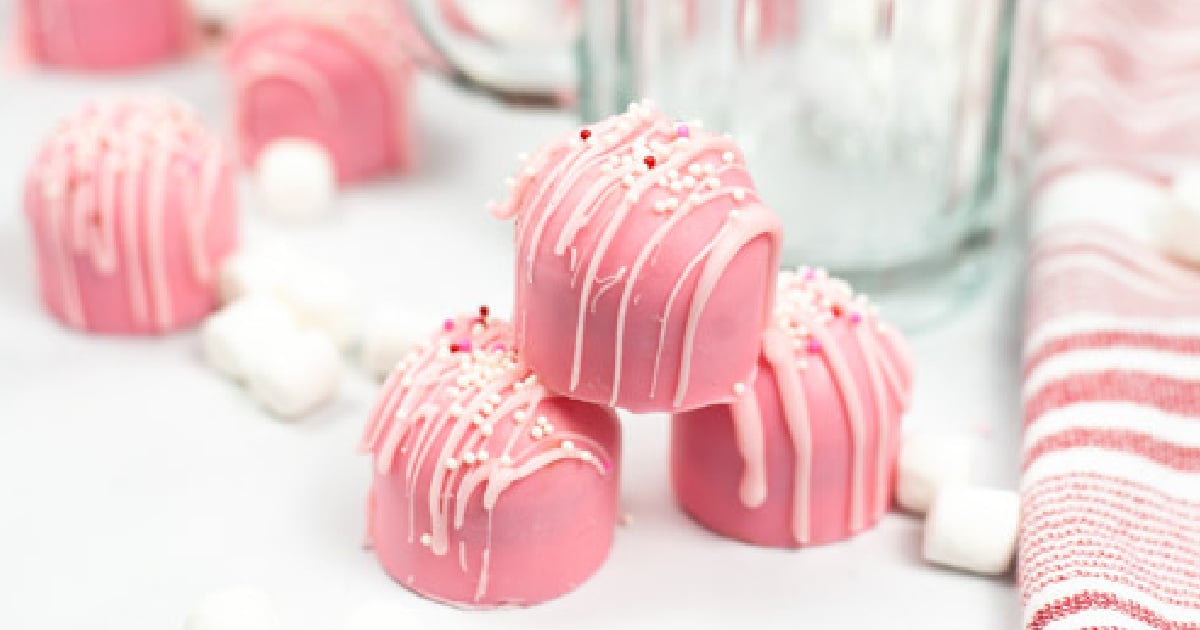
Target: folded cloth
1110	487
1110	534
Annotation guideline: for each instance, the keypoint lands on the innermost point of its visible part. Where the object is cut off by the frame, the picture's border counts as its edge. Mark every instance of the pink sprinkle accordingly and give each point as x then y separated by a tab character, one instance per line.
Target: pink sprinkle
683	131
448	325
855	317
810	273
501	347
814	346
464	345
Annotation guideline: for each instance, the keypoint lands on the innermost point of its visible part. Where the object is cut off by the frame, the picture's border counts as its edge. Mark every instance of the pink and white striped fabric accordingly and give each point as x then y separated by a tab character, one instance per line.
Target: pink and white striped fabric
1111	456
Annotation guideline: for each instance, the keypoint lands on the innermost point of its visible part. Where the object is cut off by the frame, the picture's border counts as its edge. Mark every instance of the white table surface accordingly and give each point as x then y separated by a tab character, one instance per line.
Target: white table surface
133	480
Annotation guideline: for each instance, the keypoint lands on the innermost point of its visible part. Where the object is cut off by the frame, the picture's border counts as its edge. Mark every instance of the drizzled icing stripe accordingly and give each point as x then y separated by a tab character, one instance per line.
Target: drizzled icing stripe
635	163
777	349
808	301
465	400
372	28
105	172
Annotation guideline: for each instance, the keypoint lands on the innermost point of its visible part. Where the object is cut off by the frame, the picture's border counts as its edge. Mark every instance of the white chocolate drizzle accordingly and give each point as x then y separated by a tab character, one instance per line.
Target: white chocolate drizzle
109	170
807	302
466	405
372	29
638	162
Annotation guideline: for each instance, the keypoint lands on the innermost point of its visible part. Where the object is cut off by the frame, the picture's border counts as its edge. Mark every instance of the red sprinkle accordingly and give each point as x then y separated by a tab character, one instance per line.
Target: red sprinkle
650	161
584	134
836	310
484	312
455	347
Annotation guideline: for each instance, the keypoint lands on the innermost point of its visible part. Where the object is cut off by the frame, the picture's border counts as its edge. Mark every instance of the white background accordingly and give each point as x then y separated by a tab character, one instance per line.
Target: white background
133	480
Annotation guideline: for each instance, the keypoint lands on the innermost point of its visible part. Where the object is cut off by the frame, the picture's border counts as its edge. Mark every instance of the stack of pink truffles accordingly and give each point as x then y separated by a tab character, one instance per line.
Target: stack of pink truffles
646	279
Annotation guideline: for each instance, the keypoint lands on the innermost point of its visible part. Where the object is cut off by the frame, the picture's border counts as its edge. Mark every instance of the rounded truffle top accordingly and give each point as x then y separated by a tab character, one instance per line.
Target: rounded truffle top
122	133
470	376
659	164
814	309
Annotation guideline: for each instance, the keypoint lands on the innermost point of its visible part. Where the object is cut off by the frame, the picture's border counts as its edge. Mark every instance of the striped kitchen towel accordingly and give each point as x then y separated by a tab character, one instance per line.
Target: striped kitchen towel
1110	487
1111	472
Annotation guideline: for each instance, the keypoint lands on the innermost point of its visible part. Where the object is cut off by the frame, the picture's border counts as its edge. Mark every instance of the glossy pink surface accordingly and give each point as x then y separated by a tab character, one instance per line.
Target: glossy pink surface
809	489
333	73
132	207
642	287
104	35
531	519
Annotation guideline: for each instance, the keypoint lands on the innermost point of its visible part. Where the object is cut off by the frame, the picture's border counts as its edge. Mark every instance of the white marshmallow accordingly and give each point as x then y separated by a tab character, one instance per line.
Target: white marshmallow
383	616
297	376
973	529
388	336
244	608
928	463
257	269
1179	225
251	326
296	179
324	299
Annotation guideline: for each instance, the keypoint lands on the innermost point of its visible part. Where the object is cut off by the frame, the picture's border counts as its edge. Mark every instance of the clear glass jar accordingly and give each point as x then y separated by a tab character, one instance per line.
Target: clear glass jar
872	126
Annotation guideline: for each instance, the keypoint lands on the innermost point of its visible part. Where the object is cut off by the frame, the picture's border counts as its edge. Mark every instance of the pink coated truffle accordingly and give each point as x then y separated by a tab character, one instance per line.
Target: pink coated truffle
805	455
488	490
335	73
103	35
132	208
641	283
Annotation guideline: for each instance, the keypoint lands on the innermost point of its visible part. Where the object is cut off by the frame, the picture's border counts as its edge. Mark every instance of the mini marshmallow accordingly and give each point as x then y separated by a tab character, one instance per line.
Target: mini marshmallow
249	327
1179	225
296	179
257	269
929	463
323	299
387	337
383	616
297	376
973	529
244	608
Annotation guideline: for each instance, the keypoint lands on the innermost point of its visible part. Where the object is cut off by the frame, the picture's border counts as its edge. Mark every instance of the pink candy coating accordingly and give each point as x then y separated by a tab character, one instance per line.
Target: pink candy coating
331	72
642	288
132	209
807	456
104	35
529	520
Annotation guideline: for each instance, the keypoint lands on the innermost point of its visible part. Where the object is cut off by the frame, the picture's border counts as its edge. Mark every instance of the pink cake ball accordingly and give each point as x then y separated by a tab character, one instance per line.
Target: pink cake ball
332	71
103	35
644	264
132	208
488	490
805	455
